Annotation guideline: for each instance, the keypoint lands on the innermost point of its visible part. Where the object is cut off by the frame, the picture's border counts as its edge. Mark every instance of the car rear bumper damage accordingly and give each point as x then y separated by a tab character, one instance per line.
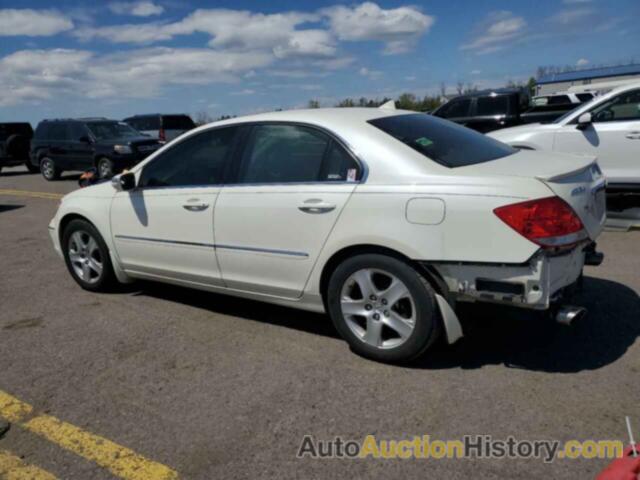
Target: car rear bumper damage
543	283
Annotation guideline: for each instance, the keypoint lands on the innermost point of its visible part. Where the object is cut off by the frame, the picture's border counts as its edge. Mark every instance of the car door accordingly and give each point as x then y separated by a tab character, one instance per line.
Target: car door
79	147
58	143
164	227
292	183
613	136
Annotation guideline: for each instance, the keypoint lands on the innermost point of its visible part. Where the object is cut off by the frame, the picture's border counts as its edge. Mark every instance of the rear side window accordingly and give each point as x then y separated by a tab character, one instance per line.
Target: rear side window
42	131
498	105
151	122
444	142
558	100
455	108
58	131
177	122
284	154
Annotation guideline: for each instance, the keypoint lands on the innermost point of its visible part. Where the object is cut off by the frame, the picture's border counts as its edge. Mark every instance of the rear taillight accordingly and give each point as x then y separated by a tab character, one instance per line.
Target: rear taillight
161	135
549	222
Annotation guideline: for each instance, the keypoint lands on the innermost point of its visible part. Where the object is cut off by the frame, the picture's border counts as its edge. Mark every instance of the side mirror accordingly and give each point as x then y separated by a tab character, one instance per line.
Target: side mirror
124	181
584	121
84	139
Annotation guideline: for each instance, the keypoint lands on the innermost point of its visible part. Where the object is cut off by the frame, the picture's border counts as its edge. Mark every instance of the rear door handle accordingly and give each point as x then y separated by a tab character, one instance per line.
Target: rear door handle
193	206
316	205
633	135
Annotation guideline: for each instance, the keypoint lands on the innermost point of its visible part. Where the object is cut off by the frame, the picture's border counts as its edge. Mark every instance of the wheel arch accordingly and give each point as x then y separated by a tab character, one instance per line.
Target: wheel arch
430	274
67	219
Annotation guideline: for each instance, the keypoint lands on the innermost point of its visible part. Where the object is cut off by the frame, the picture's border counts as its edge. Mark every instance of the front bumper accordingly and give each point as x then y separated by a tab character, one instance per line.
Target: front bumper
55	238
535	284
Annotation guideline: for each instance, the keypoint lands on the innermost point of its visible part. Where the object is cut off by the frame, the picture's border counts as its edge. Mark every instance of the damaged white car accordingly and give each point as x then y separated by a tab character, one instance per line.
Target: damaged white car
384	219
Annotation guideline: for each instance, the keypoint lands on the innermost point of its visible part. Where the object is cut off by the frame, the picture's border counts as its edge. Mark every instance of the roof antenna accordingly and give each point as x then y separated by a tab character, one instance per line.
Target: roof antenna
633	442
390	105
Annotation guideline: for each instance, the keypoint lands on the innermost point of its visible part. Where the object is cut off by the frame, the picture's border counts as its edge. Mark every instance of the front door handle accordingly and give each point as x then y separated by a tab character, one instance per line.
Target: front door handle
633	135
192	206
316	205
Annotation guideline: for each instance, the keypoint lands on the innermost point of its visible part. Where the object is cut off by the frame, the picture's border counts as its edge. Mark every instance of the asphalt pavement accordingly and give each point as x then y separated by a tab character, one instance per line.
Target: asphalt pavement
189	384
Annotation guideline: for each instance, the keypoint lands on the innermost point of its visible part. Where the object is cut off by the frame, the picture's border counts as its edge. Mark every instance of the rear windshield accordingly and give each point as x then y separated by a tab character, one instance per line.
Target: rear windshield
177	122
8	129
442	141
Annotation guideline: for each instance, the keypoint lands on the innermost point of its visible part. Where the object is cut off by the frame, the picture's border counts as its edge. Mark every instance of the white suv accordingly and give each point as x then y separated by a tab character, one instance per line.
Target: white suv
382	218
608	127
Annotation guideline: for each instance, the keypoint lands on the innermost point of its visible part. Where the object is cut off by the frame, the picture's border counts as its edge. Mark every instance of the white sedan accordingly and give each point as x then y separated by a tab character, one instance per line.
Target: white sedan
382	218
608	127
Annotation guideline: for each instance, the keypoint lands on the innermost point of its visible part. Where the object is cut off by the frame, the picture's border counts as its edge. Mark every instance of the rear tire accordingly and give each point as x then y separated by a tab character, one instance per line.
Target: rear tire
87	257
49	170
383	307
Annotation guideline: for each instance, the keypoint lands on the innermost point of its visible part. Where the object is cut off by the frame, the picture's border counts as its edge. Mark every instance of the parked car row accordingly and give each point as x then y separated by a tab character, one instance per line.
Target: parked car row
490	110
107	145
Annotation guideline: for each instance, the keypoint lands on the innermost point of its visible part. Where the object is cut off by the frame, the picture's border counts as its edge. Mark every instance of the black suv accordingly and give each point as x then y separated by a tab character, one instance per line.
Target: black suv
15	139
494	109
80	144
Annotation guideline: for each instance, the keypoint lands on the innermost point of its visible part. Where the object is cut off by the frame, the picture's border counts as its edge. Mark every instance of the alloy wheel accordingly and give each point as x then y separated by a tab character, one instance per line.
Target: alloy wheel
378	308
85	256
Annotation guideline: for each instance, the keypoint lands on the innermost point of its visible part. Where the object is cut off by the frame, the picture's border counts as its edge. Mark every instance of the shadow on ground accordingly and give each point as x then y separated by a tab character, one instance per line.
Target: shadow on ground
8	208
493	335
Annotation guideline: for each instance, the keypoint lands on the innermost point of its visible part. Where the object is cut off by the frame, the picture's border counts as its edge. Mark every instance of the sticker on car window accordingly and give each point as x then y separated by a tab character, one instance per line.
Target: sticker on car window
424	141
351	175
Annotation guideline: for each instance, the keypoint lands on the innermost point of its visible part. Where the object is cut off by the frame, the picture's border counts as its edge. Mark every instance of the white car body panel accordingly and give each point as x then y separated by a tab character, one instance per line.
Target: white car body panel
255	242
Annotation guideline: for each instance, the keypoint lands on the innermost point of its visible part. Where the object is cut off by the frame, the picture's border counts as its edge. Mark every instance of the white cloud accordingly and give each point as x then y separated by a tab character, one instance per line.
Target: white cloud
138	9
570	17
496	32
582	62
32	23
372	74
145	33
476	72
399	28
246	91
33	75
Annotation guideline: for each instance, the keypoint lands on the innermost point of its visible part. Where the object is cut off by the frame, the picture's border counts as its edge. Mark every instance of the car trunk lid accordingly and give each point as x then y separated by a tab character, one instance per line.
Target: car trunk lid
575	179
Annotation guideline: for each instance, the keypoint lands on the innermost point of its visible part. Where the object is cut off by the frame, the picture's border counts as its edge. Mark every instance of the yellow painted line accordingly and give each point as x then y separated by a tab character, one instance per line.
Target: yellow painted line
28	193
119	460
13	468
13	409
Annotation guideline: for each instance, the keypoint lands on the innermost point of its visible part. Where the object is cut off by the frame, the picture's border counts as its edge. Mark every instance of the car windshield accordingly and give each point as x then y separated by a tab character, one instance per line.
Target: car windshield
111	130
442	141
570	112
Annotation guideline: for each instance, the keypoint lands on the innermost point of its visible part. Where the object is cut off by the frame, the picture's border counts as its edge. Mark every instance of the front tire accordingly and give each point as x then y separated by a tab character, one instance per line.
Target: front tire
383	307
87	257
49	170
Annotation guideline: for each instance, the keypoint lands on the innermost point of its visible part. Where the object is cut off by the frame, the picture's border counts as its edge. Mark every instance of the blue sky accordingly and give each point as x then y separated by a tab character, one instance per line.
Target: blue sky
117	58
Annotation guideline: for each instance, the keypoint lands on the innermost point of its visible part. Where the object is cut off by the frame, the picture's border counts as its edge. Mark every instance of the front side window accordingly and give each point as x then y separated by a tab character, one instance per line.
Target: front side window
197	160
489	106
446	143
284	154
625	106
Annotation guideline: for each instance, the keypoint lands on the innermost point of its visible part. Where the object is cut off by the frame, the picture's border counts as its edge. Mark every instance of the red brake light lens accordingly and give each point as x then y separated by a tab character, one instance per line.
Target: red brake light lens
549	222
161	135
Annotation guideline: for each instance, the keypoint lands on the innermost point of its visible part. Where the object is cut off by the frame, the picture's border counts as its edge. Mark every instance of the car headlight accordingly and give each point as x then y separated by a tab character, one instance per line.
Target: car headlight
122	149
